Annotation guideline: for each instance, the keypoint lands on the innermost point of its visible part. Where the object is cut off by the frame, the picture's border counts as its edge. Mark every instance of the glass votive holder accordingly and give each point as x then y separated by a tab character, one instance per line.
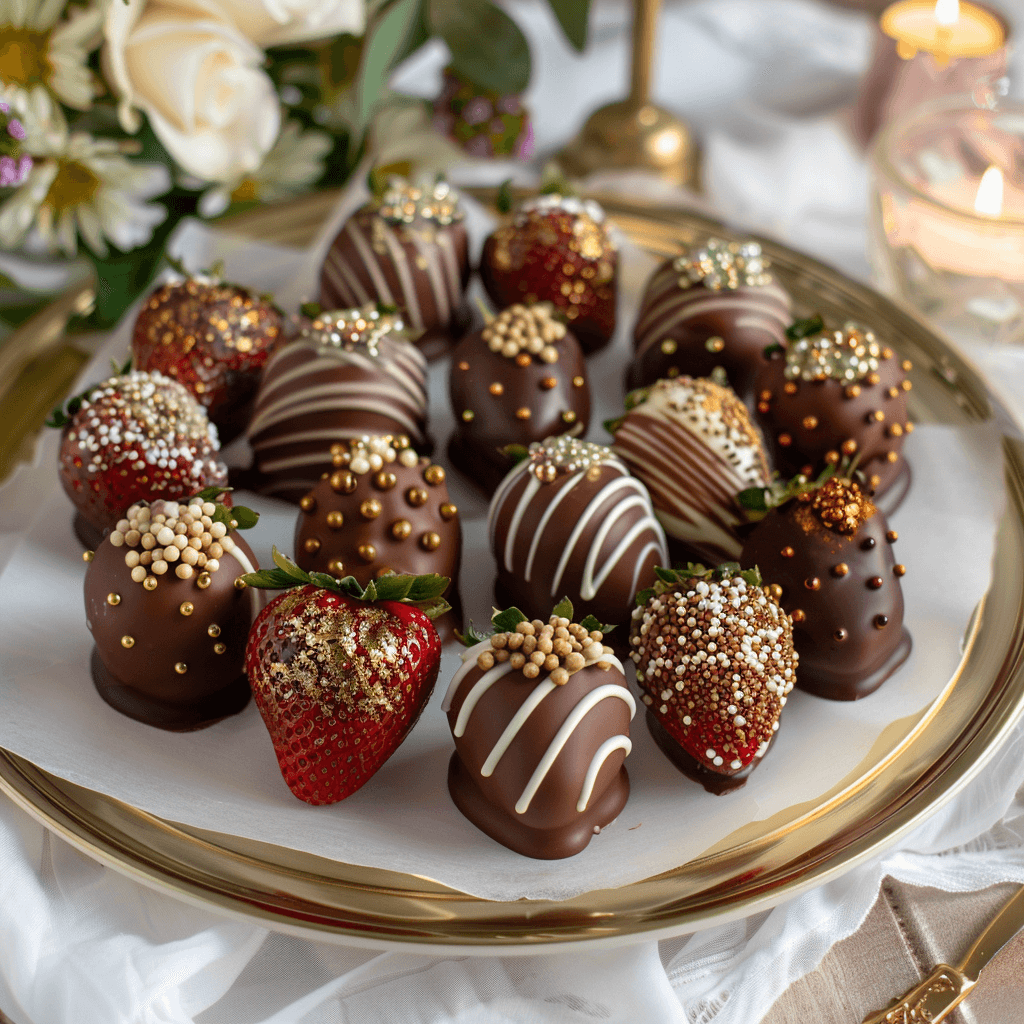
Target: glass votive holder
947	217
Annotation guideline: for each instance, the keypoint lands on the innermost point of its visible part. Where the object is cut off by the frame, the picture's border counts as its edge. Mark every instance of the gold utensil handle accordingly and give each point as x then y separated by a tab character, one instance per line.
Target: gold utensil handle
929	1002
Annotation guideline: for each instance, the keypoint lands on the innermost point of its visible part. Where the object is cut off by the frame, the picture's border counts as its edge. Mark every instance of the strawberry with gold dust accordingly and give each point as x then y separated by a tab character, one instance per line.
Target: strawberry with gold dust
341	672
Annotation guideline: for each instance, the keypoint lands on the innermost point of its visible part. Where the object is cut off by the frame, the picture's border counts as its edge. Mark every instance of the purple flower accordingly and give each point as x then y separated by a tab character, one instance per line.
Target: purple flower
479	145
524	148
5	108
15	129
25	164
477	110
8	171
509	105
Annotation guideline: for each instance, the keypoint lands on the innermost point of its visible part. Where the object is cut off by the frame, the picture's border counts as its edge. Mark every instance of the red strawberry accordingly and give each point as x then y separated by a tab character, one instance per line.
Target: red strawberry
557	249
214	338
715	659
134	437
340	674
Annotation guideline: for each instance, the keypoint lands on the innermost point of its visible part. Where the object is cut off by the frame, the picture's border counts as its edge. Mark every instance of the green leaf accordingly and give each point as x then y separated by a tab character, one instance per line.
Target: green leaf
120	369
773	349
563	609
613	425
268	579
753	499
507	620
311	309
804	328
244	518
572	15
386	37
287	566
516	452
504	200
591	622
211	493
470	638
637	397
487	46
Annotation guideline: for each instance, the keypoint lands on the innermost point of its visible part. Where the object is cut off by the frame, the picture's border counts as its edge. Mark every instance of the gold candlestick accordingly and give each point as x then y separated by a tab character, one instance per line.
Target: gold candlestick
635	133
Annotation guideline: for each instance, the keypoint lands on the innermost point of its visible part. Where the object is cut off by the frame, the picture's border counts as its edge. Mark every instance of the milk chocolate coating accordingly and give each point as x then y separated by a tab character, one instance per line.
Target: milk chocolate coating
556	397
676	325
852	637
140	680
422	268
551	827
819	417
591	514
313	396
432	542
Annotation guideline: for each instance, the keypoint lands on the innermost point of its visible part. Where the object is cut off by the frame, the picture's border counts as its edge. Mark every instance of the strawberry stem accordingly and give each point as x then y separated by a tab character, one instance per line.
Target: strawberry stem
670	579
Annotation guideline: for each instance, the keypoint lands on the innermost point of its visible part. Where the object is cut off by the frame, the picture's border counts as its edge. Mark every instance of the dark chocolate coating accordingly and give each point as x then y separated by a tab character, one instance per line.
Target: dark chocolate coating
564	408
820	416
675	324
422	268
551	827
410	554
141	680
313	397
844	665
632	571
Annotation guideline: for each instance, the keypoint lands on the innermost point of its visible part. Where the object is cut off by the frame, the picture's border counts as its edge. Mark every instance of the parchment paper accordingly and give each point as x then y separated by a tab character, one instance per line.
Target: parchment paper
226	778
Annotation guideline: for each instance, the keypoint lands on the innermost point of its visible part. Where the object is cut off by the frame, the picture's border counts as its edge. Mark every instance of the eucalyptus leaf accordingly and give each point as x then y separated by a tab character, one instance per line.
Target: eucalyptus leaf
573	15
487	46
387	36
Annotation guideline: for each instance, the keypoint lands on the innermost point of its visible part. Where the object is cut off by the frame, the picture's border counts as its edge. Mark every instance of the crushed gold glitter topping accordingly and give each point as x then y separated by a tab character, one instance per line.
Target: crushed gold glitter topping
525	329
404	203
370	454
169	534
555	456
558	647
849	354
352	329
838	505
720	265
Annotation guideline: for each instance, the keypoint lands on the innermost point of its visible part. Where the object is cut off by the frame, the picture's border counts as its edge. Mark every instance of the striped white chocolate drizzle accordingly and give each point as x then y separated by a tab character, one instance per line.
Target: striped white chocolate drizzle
540	691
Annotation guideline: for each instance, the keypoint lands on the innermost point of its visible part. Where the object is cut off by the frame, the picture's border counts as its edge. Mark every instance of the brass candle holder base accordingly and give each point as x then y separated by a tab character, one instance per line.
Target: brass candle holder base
628	134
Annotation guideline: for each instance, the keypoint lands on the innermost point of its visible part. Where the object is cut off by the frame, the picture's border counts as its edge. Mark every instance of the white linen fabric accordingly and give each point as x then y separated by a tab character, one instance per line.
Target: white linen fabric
81	943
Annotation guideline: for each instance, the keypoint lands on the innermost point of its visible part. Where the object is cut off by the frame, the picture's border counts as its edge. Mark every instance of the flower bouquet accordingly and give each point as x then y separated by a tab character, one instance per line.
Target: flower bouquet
120	117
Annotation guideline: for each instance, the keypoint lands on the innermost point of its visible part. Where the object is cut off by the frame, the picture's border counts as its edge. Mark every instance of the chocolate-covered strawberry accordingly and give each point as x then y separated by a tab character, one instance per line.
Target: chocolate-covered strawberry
381	509
715	660
214	338
340	672
827	395
520	379
134	437
557	249
825	550
168	620
717	305
540	713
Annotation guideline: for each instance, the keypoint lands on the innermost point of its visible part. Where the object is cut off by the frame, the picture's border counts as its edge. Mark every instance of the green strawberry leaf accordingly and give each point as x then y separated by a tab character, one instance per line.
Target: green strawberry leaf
670	579
65	413
805	328
563	609
613	425
470	638
591	622
553	181
311	310
516	452
773	349
120	369
504	200
757	502
507	620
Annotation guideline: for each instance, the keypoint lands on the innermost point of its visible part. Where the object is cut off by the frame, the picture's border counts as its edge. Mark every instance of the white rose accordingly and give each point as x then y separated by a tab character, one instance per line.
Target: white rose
274	22
197	79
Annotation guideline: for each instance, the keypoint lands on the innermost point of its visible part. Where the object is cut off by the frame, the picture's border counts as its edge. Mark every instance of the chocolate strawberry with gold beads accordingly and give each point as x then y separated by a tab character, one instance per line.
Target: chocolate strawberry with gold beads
715	661
341	672
826	552
213	337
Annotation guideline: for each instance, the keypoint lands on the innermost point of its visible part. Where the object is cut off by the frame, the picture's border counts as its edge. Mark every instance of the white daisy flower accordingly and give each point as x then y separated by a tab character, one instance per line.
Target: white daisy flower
292	165
42	48
88	189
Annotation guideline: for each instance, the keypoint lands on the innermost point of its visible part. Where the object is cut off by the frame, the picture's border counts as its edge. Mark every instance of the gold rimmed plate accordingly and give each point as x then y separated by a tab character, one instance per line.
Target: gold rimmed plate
917	769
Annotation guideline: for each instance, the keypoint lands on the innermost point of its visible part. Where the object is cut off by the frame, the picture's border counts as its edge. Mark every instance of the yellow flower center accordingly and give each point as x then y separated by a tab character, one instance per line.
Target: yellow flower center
74	184
23	56
246	191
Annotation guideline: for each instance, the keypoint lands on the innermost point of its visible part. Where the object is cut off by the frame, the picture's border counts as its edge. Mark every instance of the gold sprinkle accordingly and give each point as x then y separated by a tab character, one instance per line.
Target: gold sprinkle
669	346
523	359
908	427
468	415
203	580
522	413
308	503
578	382
449	511
766	396
336	566
568	416
88	556
240	584
430	541
416	496
714	344
785	440
401	529
875	582
812	583
149	583
810	422
899	570
775	590
787	552
370	509
895	430
906	366
906	385
790	387
213	630
892	536
878	416
127	641
841	569
548	383
335	520
367	552
892	456
433	475
311	545
180	667
385	480
798	615
496	388
849	446
219	648
113	600
873	378
186	608
852	391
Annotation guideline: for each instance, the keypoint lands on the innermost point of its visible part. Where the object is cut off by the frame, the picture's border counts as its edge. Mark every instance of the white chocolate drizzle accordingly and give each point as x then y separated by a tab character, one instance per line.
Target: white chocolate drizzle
601	755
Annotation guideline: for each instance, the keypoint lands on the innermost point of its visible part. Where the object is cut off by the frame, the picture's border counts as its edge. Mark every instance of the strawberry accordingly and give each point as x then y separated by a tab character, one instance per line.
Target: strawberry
134	437
214	338
557	249
715	660
340	673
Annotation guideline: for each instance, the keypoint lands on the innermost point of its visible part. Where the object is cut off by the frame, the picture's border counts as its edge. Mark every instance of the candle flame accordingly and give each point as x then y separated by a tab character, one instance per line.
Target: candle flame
989	200
947	12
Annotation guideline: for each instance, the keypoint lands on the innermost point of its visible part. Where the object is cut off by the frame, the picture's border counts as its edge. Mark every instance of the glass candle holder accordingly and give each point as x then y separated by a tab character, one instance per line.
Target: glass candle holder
947	217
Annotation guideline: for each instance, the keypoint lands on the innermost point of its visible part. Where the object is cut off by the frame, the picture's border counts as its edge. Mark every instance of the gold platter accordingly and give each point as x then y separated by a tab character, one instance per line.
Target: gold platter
759	866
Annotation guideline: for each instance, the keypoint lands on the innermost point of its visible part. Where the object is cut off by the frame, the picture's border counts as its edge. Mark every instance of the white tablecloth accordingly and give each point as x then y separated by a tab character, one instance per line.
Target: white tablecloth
79	943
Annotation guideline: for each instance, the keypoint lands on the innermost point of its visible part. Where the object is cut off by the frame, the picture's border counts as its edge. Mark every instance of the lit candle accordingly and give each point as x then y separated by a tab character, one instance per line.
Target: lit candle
944	28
